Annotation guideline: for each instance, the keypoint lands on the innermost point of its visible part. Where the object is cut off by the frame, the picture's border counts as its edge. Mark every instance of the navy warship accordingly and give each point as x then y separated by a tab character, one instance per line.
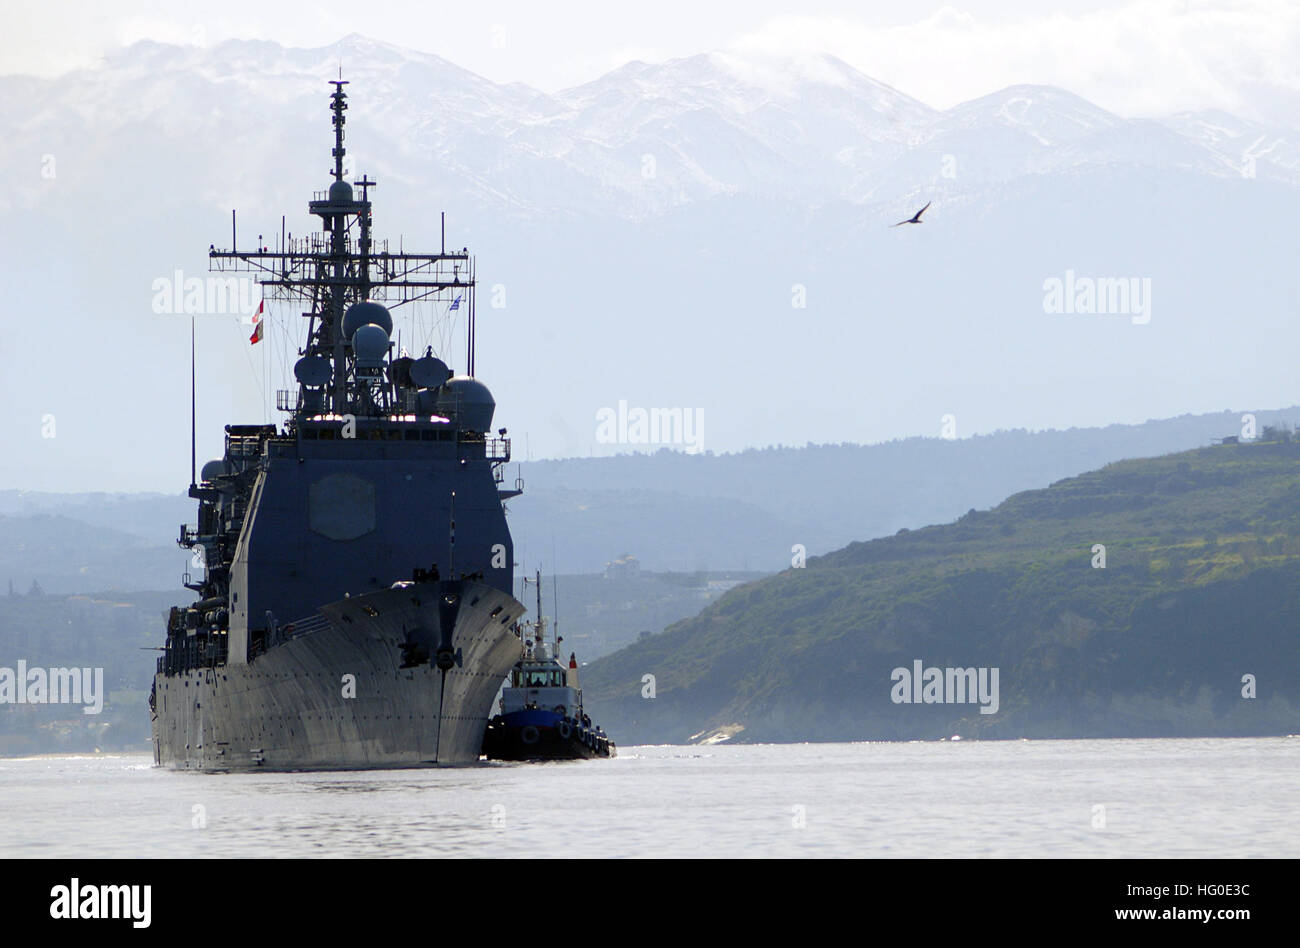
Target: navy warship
355	605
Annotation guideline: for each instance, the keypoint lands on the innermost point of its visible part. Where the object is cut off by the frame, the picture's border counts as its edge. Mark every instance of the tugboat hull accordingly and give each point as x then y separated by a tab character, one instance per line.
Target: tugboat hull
542	735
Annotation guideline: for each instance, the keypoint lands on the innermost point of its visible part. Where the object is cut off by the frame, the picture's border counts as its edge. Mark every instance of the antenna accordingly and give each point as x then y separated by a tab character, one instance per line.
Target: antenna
473	343
338	104
541	623
327	272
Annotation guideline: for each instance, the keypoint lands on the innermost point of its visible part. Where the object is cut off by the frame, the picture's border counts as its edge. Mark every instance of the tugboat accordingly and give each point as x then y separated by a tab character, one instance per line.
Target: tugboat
324	635
541	709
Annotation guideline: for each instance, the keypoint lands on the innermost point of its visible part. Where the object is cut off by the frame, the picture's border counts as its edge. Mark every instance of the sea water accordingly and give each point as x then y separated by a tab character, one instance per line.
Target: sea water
1094	798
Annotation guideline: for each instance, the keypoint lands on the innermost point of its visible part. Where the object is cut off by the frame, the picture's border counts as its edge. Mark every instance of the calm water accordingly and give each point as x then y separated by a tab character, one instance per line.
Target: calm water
1028	798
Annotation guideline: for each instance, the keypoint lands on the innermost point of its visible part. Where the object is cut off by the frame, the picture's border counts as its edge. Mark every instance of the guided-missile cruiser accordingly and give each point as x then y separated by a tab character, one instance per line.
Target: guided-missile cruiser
354	607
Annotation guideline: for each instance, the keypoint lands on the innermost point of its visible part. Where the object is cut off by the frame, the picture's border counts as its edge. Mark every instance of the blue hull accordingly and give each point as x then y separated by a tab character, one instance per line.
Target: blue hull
537	734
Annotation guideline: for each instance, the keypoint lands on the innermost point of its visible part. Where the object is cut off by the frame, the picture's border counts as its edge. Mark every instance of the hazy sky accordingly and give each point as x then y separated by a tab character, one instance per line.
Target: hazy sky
1217	246
1135	57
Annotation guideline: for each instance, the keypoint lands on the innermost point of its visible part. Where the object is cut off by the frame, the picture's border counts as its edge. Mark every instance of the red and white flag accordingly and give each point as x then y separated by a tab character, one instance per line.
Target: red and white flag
256	337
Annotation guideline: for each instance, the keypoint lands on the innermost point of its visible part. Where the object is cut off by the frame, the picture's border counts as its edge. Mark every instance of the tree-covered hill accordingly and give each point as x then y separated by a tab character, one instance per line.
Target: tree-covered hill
1200	588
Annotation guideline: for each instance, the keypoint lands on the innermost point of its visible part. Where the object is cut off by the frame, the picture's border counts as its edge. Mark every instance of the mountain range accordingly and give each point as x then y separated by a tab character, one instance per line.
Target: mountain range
707	234
807	127
753	510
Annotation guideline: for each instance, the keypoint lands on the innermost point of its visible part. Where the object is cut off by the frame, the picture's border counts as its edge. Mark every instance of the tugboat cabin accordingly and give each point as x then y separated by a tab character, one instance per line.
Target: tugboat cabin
539	682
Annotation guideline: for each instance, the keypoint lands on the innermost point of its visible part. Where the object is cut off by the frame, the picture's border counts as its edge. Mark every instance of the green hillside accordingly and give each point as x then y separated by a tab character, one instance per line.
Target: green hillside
1201	586
113	631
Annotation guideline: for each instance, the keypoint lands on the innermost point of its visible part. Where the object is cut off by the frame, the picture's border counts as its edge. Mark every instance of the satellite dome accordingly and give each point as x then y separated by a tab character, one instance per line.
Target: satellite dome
468	401
359	314
340	193
213	469
429	372
370	344
312	370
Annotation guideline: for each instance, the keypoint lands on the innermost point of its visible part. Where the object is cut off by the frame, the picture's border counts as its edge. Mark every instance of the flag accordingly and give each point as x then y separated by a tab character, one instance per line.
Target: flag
256	337
455	304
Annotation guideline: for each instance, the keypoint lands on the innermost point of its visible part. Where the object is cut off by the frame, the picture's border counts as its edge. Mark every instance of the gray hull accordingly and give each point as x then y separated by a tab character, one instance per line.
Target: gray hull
294	707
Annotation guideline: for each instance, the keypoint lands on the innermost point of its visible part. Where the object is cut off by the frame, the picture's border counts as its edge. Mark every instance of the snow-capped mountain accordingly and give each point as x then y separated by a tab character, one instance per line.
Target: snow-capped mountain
638	140
1244	147
709	232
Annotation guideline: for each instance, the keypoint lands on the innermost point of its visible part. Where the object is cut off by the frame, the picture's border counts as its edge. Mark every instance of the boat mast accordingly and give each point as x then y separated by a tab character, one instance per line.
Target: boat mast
336	224
541	622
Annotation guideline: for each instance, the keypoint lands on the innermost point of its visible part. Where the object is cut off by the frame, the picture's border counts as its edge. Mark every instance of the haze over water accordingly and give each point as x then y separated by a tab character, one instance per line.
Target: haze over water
1161	798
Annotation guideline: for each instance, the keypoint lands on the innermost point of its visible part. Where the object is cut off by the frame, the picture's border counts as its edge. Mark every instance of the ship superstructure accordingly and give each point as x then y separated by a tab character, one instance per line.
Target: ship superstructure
354	607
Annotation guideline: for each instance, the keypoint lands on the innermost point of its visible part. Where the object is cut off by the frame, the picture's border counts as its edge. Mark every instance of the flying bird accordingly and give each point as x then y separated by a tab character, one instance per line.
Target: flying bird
915	218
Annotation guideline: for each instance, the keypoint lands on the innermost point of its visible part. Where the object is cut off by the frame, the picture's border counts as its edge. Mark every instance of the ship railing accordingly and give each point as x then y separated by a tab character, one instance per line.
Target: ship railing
287	399
292	630
243	446
189	652
496	449
317	243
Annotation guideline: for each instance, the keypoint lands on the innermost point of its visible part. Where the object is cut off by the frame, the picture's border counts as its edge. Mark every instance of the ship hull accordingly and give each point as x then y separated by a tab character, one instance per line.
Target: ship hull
542	735
360	689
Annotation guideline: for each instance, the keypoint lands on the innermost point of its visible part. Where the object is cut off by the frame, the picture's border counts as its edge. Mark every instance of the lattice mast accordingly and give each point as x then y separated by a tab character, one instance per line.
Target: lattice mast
341	265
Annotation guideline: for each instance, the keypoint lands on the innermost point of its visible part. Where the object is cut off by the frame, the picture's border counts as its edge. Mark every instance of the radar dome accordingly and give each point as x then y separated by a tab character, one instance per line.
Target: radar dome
340	193
359	314
312	370
429	372
468	401
213	469
370	344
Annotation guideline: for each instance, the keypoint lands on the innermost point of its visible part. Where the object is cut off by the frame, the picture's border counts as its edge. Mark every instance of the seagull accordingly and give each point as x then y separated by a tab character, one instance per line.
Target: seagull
915	218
